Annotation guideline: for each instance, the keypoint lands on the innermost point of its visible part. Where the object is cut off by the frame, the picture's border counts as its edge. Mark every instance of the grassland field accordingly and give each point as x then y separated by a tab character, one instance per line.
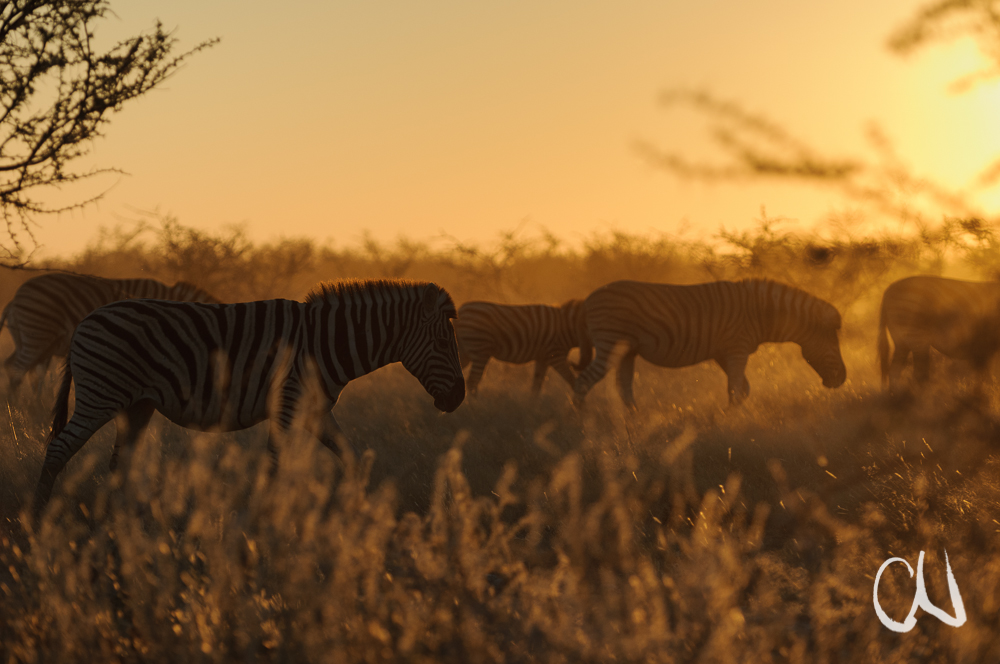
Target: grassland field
517	529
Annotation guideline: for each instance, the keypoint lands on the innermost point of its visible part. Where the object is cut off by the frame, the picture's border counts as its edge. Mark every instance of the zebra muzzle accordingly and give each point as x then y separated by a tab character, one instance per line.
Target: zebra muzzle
835	377
453	399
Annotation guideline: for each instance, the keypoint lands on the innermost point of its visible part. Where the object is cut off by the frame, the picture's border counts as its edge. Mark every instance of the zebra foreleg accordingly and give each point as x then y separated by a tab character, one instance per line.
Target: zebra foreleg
735	367
329	432
541	366
900	355
562	368
476	374
130	426
626	374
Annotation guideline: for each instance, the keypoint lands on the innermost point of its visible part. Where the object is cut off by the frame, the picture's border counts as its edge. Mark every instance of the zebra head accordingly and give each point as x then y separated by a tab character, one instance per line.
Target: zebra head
431	352
821	345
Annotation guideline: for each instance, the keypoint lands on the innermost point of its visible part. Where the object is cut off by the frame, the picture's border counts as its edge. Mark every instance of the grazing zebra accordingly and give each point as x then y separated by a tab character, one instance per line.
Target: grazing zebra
520	333
46	309
958	318
725	321
229	366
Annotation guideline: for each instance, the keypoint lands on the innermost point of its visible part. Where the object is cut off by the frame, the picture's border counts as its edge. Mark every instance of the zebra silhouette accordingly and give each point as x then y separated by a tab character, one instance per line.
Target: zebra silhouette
229	366
724	321
960	319
46	309
518	334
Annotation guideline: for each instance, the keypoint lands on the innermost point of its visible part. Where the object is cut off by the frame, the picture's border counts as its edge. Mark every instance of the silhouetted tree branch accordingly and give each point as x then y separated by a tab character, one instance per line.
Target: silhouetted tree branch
756	147
944	20
56	93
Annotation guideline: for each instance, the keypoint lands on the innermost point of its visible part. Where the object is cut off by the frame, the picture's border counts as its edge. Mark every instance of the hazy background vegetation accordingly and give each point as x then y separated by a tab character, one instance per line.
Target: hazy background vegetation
515	529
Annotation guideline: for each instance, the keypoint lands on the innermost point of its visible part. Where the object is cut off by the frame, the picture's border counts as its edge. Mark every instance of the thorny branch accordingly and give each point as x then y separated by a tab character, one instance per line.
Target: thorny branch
56	94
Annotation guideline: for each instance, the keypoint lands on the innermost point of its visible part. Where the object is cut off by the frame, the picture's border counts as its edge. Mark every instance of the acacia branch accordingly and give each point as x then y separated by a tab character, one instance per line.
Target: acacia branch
756	148
57	93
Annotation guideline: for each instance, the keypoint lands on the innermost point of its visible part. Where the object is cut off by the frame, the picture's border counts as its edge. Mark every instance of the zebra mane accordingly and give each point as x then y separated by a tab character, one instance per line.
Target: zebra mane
353	288
821	314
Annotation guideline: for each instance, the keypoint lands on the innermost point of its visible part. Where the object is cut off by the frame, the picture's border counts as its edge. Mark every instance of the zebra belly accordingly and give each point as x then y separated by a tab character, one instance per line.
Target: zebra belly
200	407
674	360
668	351
544	355
225	408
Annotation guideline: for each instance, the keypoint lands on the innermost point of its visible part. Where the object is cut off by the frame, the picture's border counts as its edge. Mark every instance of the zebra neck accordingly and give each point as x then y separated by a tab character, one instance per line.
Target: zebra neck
351	337
777	320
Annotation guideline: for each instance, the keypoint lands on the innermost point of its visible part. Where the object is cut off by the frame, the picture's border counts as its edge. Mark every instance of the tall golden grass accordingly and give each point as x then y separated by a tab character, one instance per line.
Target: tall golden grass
516	530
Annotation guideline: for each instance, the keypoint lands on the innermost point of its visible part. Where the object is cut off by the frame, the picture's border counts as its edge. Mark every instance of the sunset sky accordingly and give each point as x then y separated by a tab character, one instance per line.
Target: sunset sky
465	119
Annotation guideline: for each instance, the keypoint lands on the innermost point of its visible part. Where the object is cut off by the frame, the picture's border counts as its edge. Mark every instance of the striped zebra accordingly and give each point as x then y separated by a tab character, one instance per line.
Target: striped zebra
725	321
229	366
960	319
518	334
46	309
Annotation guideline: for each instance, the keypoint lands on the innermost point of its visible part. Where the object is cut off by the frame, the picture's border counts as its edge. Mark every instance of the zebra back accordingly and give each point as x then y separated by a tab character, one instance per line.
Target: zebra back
152	289
518	333
46	310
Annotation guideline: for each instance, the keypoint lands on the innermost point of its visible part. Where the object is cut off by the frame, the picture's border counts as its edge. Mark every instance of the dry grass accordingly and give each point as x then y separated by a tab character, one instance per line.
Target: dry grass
516	530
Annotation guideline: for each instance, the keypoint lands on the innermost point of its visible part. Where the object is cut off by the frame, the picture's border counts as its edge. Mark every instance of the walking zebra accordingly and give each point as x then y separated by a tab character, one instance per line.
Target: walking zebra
229	366
520	333
46	309
725	321
958	318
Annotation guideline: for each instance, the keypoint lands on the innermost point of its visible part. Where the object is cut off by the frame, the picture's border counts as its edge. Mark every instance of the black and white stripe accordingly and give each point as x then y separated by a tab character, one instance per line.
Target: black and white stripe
677	326
960	319
518	334
46	309
230	366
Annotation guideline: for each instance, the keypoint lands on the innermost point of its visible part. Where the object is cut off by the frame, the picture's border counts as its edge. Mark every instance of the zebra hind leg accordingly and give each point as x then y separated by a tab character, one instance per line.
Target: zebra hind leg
130	426
594	372
61	449
626	375
15	374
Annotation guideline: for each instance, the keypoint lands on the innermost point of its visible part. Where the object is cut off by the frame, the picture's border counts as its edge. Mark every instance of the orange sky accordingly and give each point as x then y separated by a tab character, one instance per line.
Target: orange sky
471	118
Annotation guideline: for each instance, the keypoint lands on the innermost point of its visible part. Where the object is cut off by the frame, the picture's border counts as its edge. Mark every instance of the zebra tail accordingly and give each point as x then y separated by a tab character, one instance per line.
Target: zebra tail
61	410
883	345
3	316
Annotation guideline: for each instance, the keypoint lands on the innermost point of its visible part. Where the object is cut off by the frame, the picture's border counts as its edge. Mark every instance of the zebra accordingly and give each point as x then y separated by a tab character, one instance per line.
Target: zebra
46	309
518	334
957	318
225	367
677	326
